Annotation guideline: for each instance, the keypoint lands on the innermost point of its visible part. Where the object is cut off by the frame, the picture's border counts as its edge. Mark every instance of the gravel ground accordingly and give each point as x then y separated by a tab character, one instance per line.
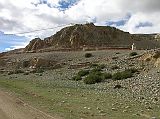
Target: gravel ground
144	87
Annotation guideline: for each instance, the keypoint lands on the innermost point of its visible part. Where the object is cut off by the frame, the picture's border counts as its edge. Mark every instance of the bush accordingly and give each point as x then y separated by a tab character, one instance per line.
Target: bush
18	71
97	69
117	76
92	79
10	73
133	54
122	75
107	76
133	70
114	67
102	66
126	74
76	78
26	73
156	54
88	55
83	72
39	70
25	63
94	65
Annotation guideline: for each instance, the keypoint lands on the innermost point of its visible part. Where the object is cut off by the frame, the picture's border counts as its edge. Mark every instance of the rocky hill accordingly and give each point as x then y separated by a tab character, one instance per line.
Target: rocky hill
90	36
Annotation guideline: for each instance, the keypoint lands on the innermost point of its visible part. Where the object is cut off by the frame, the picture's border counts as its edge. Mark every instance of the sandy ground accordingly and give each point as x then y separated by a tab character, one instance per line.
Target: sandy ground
13	108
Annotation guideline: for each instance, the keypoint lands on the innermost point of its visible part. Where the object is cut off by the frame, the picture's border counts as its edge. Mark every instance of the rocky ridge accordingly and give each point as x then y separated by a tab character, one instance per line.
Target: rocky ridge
89	36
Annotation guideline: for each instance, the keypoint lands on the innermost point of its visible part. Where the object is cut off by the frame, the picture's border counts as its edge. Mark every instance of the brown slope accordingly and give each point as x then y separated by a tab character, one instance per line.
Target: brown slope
89	35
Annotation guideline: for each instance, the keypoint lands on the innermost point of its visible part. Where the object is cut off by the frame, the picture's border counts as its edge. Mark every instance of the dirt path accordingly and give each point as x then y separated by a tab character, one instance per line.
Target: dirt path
13	108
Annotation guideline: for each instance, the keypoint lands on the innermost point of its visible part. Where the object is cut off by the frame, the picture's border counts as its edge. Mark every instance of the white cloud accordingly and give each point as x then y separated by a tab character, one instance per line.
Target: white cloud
14	47
21	45
26	15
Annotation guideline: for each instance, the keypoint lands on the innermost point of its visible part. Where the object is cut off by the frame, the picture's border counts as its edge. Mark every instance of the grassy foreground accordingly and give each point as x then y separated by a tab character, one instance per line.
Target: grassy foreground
59	97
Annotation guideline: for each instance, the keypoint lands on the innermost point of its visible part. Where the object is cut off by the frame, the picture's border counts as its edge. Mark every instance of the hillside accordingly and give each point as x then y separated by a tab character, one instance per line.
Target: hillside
90	36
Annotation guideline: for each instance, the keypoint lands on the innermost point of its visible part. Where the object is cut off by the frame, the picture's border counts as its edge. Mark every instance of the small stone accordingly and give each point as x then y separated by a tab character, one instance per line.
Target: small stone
70	111
149	108
124	110
92	115
127	107
101	111
142	111
117	86
153	118
103	114
114	109
98	108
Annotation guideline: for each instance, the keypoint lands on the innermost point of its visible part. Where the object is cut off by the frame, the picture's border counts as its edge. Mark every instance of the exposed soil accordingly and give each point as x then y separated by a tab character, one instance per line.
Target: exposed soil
13	108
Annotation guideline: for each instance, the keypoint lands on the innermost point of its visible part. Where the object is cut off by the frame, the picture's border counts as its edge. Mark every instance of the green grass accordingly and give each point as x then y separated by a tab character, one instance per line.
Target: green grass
60	97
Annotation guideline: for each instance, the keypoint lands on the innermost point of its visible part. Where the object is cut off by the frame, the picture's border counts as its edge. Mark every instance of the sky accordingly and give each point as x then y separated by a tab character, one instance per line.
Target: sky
19	16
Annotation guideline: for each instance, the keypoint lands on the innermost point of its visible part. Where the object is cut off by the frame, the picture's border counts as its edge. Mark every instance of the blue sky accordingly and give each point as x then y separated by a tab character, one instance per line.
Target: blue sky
27	15
8	41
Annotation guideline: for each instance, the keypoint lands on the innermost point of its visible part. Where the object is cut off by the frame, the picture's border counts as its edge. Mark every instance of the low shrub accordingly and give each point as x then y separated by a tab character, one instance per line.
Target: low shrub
122	75
156	54
18	71
10	73
133	70
25	63
126	74
83	72
107	76
39	70
94	65
117	76
88	55
117	86
93	78
76	78
97	69
26	73
102	66
114	58
133	54
114	67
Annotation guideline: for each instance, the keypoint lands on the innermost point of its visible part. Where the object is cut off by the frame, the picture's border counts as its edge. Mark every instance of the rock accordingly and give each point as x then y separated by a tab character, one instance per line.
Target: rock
117	86
114	109
36	44
127	107
124	110
101	111
39	62
153	118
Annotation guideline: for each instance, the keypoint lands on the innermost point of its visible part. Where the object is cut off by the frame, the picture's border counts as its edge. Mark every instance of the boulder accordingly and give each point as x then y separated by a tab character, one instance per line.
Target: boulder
40	62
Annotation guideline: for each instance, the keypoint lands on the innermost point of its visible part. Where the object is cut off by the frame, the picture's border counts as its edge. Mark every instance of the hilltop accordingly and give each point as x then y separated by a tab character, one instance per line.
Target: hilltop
89	36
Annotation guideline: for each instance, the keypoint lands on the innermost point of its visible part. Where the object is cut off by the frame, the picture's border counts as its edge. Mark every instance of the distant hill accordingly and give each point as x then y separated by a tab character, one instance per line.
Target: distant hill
90	36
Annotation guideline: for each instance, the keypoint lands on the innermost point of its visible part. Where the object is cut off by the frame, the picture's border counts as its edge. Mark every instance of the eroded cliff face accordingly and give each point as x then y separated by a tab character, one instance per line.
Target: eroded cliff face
36	44
152	56
89	35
